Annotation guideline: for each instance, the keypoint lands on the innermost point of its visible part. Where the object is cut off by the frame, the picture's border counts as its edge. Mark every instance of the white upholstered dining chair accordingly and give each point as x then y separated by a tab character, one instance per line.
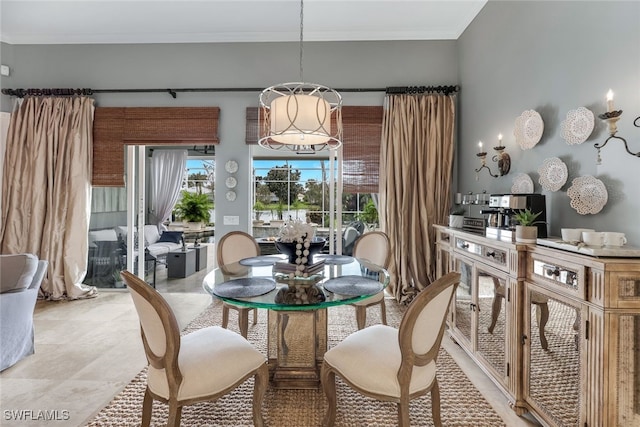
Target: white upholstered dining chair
373	246
394	365
233	247
203	365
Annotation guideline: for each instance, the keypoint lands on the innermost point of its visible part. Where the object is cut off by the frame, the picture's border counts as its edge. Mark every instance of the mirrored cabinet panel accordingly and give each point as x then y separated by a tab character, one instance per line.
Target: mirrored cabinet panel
554	382
492	318
464	302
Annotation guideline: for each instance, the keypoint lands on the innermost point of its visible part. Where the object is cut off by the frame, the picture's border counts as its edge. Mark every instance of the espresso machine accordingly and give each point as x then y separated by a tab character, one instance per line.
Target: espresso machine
501	223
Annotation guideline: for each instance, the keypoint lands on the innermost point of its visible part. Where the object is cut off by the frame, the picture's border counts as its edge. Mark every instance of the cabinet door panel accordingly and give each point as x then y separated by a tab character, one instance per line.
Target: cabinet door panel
626	369
464	302
554	383
492	319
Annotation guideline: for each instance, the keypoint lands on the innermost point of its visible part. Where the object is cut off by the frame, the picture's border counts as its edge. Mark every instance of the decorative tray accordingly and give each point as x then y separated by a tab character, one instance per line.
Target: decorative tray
245	287
353	286
287	268
617	252
334	259
262	260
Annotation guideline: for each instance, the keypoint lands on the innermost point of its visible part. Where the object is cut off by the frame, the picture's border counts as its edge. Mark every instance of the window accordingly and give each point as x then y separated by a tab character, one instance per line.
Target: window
299	189
200	175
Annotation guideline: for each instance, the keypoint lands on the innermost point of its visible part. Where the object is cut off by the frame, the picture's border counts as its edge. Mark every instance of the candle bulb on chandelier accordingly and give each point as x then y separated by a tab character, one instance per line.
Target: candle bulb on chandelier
610	101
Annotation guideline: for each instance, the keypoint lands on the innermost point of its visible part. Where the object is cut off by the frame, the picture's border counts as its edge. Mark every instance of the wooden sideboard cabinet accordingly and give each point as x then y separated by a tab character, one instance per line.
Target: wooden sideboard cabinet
483	317
589	374
558	332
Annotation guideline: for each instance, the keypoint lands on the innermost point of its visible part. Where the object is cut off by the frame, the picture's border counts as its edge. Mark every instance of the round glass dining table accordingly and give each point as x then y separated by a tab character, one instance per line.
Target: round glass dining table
297	305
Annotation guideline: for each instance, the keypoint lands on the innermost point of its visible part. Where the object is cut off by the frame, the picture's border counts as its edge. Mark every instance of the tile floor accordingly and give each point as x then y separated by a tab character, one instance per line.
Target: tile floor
88	350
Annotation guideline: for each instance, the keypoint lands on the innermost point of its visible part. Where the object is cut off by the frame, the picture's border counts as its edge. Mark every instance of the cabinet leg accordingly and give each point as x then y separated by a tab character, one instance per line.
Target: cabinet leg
518	409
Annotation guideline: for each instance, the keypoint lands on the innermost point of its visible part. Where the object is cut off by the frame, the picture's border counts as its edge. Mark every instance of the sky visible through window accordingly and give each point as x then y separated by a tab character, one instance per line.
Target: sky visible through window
309	169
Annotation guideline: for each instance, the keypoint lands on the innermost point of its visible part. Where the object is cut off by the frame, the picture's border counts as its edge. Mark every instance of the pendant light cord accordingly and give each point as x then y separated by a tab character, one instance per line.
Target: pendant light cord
301	30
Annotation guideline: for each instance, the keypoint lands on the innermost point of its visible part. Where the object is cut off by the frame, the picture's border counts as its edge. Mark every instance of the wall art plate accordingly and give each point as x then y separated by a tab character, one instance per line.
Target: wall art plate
578	125
231	182
231	196
522	184
231	166
553	174
588	195
528	130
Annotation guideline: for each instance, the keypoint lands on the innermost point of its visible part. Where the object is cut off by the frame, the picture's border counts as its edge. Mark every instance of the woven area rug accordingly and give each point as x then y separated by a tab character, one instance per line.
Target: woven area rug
461	403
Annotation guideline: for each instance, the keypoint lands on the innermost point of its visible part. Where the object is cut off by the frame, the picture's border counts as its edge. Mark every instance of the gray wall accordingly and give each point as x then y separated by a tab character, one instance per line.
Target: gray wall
258	65
554	57
549	56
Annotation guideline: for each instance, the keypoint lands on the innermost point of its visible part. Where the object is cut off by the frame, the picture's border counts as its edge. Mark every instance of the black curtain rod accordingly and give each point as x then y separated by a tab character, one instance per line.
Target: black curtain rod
412	90
20	93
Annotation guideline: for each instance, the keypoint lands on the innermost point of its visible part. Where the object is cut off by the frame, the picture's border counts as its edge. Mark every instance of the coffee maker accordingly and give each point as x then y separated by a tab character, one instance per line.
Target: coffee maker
501	223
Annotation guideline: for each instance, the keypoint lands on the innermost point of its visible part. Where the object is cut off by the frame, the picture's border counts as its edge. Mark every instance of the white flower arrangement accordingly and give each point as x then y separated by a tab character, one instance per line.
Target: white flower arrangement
300	233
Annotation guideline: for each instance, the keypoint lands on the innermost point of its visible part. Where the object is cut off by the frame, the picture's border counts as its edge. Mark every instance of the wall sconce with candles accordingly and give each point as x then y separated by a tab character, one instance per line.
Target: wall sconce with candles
503	159
611	117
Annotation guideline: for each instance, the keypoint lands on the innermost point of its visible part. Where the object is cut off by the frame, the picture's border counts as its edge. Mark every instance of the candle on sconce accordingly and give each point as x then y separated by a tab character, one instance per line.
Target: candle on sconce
610	101
500	140
480	147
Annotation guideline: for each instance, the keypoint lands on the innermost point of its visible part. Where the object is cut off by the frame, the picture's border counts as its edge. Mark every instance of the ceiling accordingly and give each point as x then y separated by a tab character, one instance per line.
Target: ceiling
188	21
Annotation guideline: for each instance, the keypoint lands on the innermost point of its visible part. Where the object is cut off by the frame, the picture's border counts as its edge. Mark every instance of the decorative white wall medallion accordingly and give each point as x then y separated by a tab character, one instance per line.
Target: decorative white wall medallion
578	125
231	166
588	195
553	174
528	129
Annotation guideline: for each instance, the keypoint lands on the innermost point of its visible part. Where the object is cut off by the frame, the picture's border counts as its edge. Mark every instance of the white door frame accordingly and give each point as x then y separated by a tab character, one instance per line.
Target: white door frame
136	173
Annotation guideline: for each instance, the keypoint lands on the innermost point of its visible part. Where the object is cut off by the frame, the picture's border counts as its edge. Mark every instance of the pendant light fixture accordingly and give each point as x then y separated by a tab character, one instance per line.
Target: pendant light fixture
301	117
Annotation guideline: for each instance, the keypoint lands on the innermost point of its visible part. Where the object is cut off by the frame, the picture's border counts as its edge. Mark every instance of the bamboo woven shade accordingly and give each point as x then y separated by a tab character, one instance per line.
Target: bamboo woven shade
362	131
253	125
108	148
173	126
113	128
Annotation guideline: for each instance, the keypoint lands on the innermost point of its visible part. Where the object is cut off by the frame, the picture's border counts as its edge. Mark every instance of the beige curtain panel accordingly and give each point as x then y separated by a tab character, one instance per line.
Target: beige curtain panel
46	189
416	164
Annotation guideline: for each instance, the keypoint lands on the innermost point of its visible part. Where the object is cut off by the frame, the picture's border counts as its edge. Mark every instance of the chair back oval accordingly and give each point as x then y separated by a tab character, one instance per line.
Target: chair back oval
234	246
160	330
373	246
422	326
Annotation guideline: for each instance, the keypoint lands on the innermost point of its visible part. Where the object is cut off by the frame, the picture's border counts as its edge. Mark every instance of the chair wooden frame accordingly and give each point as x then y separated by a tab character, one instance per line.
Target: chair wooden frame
409	359
243	312
169	362
361	308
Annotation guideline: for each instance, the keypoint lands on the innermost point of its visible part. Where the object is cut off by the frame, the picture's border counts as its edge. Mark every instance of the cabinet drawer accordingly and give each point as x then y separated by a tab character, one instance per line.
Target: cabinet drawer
494	256
561	276
443	238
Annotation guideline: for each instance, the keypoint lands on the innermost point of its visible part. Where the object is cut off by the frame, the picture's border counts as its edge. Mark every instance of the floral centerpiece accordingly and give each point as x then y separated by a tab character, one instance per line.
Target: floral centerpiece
296	240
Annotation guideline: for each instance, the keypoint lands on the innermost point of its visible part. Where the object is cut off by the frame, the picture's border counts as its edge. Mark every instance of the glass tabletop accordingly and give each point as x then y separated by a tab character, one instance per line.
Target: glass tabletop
269	282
